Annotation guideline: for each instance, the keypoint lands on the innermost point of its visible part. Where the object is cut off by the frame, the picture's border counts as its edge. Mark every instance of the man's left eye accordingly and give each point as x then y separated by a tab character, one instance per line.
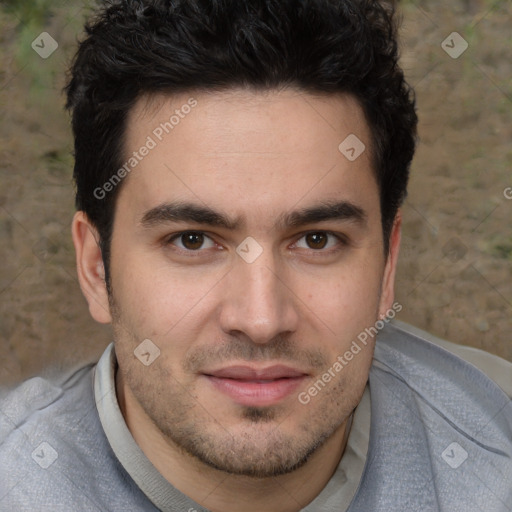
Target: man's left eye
318	240
192	241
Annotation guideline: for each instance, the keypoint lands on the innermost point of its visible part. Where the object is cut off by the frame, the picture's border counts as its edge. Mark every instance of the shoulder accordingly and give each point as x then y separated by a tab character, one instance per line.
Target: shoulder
54	454
496	368
399	341
25	405
443	419
432	369
38	418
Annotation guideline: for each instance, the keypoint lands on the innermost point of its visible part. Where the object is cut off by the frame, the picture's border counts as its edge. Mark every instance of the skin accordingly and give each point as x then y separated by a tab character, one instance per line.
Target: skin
254	157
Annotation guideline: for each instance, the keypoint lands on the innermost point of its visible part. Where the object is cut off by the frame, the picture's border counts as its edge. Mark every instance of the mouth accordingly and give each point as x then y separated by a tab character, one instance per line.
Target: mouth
256	387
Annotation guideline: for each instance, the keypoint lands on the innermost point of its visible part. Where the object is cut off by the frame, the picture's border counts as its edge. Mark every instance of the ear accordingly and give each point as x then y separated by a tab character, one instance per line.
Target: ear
89	264
388	281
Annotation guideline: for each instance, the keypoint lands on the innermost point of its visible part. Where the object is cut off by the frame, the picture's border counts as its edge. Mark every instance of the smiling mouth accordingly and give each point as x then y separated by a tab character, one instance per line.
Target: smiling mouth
249	386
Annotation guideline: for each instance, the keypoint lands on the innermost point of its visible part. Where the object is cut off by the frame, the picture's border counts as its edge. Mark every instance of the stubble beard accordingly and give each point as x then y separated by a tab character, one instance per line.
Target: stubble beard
260	445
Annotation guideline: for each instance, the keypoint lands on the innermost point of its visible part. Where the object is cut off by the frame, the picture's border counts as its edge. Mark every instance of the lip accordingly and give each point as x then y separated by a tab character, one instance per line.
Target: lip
256	387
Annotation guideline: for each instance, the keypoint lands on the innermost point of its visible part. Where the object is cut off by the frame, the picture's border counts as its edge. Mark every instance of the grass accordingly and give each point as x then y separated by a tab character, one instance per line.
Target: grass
32	17
29	11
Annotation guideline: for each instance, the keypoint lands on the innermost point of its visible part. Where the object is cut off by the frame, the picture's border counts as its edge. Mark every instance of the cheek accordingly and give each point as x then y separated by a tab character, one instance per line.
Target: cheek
161	302
345	297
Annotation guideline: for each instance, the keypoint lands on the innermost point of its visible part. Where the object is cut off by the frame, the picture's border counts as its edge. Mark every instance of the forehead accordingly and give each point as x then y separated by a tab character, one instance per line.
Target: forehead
269	148
295	115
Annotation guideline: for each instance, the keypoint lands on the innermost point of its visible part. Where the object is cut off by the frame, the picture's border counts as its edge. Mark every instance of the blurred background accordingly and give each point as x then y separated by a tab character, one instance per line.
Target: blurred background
455	270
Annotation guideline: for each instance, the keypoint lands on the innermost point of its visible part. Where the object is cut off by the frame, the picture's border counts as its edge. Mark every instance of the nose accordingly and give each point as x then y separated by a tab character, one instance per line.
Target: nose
258	301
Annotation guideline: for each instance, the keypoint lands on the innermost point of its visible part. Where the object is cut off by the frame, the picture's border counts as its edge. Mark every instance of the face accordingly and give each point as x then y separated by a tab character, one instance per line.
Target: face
248	248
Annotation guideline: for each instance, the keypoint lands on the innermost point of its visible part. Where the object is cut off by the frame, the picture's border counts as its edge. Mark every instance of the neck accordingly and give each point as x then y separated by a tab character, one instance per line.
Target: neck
219	491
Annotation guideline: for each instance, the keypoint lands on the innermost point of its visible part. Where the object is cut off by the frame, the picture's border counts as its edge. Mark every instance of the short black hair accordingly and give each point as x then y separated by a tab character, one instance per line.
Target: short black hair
143	47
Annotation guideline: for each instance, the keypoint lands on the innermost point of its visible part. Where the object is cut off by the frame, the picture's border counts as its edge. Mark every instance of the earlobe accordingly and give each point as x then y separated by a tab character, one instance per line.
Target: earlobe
388	281
90	269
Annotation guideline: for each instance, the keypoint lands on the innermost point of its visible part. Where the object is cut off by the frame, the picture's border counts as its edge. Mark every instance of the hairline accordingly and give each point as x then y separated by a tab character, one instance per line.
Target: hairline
152	101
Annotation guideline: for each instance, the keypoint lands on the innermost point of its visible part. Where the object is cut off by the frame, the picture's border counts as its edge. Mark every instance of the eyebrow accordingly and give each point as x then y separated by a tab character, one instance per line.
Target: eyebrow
339	210
200	214
189	212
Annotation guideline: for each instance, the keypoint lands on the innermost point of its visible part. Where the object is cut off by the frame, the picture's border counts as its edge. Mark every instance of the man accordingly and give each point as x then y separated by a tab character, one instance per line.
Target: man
240	168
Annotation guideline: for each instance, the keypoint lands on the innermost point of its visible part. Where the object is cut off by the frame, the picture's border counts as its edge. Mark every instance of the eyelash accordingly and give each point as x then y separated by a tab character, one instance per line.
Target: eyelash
343	242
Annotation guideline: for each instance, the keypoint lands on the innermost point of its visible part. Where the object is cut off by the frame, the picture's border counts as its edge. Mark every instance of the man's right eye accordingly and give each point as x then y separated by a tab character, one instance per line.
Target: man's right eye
191	241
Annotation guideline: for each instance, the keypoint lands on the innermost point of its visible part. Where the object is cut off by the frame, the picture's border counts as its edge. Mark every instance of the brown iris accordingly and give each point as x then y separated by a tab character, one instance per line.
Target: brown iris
316	240
192	241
